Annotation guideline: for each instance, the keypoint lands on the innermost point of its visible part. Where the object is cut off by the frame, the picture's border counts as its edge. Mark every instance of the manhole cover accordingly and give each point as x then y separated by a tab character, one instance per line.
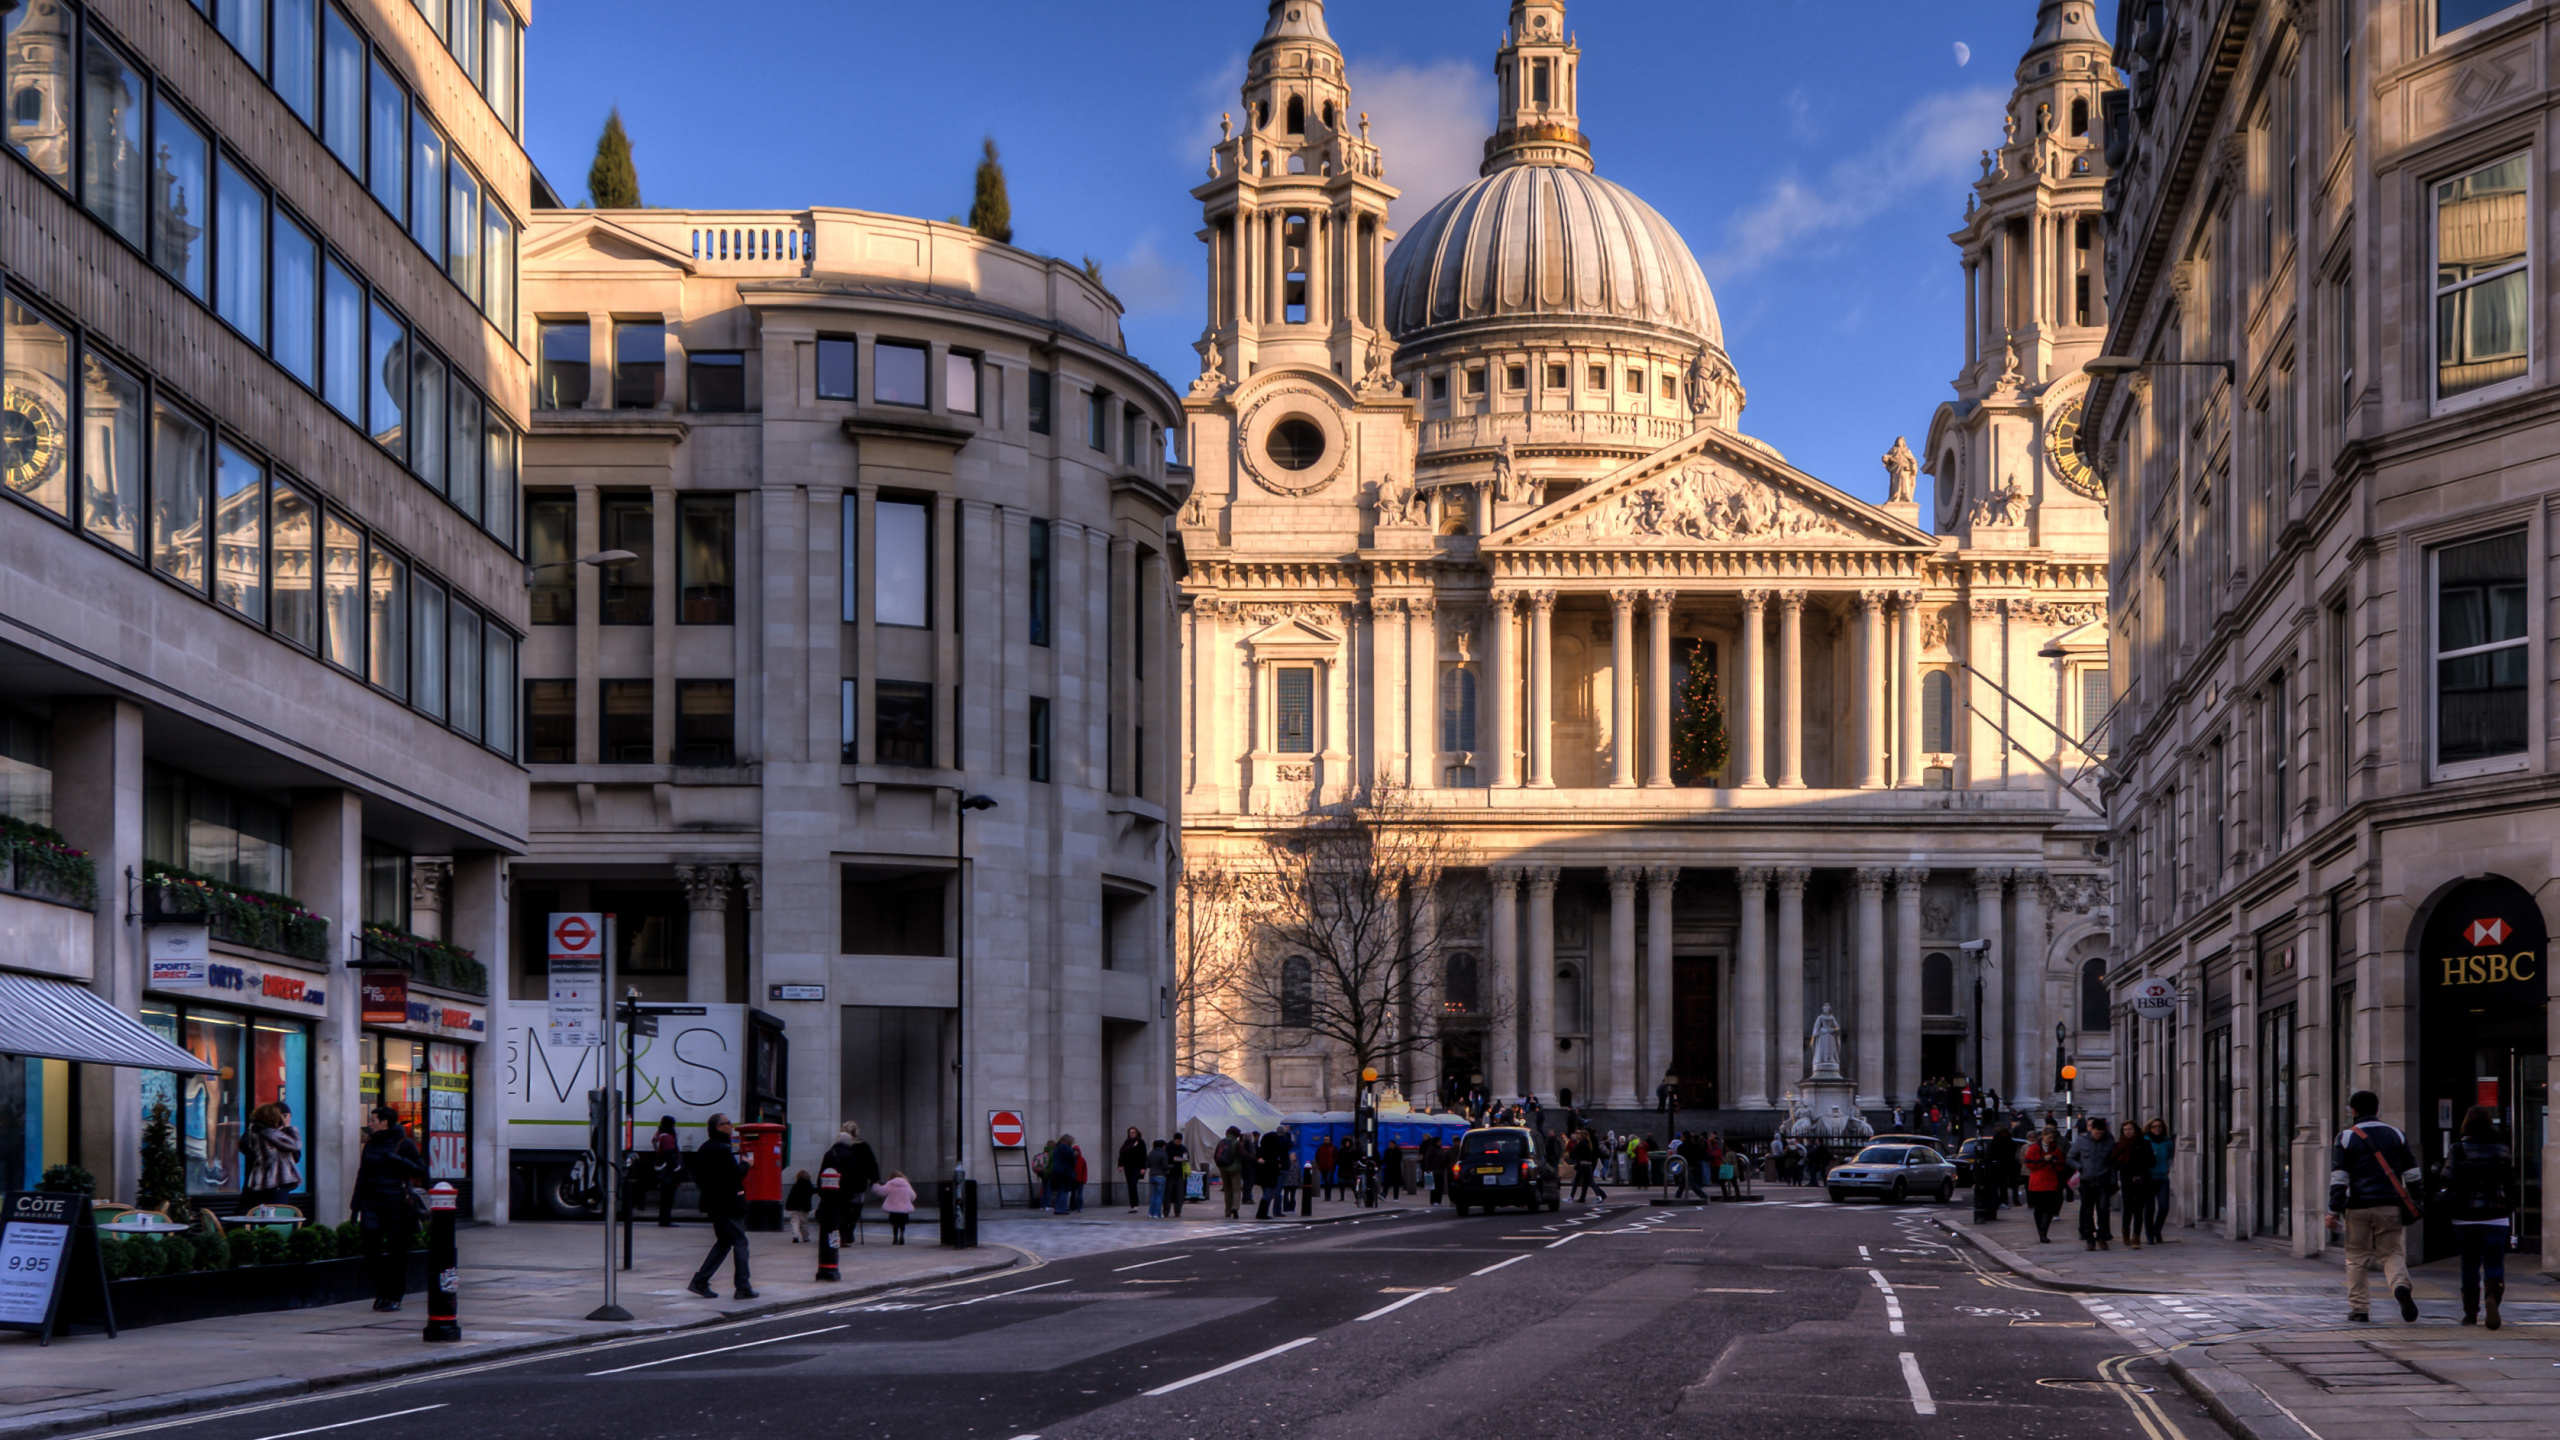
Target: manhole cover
2101	1387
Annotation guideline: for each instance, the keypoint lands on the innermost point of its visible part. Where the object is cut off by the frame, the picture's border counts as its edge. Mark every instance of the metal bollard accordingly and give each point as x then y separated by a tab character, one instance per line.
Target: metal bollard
444	1283
829	1183
1306	1191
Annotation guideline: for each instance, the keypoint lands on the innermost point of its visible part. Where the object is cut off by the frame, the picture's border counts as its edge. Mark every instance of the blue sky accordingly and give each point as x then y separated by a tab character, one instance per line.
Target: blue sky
1814	154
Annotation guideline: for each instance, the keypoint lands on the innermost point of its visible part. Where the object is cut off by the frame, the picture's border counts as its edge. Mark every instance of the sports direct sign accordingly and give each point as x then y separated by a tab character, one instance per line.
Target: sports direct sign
1004	1129
2154	998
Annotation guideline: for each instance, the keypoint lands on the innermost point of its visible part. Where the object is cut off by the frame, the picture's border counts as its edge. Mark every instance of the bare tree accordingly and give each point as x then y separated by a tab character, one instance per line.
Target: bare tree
1353	943
1215	930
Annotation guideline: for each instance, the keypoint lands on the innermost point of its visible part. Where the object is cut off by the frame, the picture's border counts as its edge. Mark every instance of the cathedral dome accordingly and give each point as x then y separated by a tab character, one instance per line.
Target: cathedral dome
1548	243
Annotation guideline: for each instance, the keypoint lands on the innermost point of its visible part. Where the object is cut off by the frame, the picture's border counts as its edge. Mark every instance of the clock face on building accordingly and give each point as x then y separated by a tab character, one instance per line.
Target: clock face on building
30	441
2062	449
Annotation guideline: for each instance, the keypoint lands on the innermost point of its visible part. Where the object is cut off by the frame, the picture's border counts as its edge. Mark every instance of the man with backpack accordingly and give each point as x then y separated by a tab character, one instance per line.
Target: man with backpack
2372	1175
1229	1158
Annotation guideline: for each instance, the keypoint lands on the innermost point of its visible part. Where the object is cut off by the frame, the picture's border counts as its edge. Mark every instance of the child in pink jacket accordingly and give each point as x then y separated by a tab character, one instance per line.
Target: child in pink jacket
897	1201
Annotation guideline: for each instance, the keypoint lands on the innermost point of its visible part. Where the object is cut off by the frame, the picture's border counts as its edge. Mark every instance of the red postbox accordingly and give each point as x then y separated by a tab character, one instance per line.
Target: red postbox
760	1146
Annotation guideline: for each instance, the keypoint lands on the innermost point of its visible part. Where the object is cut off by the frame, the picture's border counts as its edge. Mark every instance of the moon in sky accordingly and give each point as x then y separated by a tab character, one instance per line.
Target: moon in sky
1964	54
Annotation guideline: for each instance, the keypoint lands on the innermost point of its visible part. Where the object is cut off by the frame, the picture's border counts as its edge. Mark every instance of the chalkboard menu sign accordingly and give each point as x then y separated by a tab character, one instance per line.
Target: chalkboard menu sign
50	1270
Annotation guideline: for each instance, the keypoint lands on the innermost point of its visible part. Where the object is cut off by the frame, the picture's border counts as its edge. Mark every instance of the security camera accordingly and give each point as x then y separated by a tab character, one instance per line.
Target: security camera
1975	946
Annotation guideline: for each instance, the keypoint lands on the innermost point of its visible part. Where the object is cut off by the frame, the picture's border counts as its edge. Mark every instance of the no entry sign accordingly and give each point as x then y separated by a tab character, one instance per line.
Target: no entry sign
1004	1128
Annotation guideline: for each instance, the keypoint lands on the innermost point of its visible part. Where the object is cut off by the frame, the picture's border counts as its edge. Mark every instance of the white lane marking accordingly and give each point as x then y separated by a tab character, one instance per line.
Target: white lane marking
698	1354
1576	1235
1394	1306
974	1299
1863	1255
1892	1305
1496	1265
1920	1400
343	1424
1143	1264
1712	1290
1233	1365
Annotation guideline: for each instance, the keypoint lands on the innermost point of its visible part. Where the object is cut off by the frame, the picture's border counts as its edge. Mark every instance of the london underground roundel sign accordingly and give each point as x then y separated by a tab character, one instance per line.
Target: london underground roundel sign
2155	997
1004	1129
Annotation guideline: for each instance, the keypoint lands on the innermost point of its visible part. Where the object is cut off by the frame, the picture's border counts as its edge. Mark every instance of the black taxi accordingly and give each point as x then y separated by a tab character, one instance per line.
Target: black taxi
1502	1165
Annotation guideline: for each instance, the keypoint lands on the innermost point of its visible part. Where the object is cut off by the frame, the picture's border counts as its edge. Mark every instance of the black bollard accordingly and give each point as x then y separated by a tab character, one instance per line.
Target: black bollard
829	1184
1306	1191
444	1283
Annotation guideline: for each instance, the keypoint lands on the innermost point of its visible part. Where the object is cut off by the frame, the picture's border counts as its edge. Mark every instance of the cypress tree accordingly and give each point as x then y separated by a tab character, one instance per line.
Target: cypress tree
1699	746
164	1171
991	213
612	183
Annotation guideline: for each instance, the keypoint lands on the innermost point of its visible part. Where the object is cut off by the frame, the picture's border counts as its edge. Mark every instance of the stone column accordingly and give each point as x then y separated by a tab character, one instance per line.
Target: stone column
429	880
476	920
1619	1093
1659	882
1751	992
706	903
1422	664
97	805
328	880
1989	1043
1906	984
1387	730
1791	689
2027	969
1421	1064
1907	688
1750	719
751	891
1498	705
1791	1036
1658	691
1542	692
1501	972
1871	715
1542	983
1871	1005
1622	688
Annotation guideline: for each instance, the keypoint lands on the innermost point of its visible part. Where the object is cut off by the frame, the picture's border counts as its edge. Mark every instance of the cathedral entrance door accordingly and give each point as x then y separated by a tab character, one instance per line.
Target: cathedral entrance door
1695	1021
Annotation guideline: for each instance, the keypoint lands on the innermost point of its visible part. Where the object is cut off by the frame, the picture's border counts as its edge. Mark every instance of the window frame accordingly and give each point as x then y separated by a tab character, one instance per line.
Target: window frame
2511	148
2431	35
2514	760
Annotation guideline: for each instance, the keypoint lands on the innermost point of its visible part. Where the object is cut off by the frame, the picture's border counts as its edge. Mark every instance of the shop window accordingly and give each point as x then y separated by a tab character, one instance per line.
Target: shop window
639	364
716	381
259	1060
196	825
706	722
551	722
626	735
706	559
897	374
893	912
2482	650
630	591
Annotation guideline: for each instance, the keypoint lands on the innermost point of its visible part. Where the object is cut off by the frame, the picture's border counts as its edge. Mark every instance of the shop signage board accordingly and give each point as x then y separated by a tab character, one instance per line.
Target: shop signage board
576	940
386	997
2483	949
2154	998
180	955
50	1270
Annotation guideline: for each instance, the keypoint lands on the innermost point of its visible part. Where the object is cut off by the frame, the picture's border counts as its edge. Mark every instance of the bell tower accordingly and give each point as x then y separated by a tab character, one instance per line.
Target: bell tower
1296	205
1538	71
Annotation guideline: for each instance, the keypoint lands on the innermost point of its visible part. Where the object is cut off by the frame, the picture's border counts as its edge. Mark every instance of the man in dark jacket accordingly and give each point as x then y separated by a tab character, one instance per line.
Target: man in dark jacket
1272	1159
2373	1180
722	1182
857	1170
389	1166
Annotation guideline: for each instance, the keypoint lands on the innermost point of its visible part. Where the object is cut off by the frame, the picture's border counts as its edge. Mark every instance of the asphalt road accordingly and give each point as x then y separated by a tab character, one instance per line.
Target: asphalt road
1770	1321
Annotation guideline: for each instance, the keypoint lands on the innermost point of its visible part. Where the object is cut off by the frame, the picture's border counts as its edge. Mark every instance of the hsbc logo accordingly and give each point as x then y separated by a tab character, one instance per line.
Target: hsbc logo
2487	932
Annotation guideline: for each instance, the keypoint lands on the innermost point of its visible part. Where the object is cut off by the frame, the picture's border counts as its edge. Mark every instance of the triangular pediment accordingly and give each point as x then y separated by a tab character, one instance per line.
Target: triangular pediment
1290	638
595	242
1713	488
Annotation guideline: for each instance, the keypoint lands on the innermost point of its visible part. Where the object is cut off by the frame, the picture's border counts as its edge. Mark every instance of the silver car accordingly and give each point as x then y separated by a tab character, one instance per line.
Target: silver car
1894	1173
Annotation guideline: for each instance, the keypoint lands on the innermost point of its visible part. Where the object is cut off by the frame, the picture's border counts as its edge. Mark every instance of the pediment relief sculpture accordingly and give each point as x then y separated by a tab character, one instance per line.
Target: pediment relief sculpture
1701	503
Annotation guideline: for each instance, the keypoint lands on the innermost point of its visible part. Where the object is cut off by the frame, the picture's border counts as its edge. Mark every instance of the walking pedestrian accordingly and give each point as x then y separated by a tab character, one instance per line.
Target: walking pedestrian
720	1180
1325	1158
797	1205
386	1173
1229	1159
857	1170
2480	1192
1065	1164
1077	1156
666	1162
2371	1170
2131	1161
1391	1181
1432	1164
1134	1157
898	1202
2089	1156
1271	1157
2047	1167
1177	1175
1151	1166
2155	1139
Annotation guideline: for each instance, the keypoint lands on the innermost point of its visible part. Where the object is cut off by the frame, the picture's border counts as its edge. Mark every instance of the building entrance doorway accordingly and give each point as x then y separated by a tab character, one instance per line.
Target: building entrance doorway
1696	1018
1461	1064
1941	1057
2481	1002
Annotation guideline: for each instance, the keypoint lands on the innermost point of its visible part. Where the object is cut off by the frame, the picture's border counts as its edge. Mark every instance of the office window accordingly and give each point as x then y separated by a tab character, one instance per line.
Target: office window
293	566
2482	649
1937	712
835	369
427	404
629	588
2095	700
498	479
240	533
1036	406
240	228
2279	703
716	381
342	89
462	666
463	447
387	359
387	148
1097	419
563	382
497	289
426	184
1294	709
902	722
427	660
342	592
296	311
2452	15
498	65
551	520
706	722
960	383
467	37
901	564
297	57
181	462
628	709
706	559
498	686
1040	588
893	914
897	374
551	722
114	169
342	335
2483	320
387	621
1038	737
40	45
639	364
38	383
111	422
1457	708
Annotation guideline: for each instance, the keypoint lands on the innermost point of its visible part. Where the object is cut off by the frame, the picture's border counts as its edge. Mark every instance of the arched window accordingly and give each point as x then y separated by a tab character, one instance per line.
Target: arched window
2093	995
1937	713
1938	984
1459	993
1328	116
1297	115
2080	117
1458	708
1297	992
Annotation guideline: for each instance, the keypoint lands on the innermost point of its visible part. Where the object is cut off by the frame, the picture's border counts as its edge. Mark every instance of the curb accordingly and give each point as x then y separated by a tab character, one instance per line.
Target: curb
217	1397
2012	1260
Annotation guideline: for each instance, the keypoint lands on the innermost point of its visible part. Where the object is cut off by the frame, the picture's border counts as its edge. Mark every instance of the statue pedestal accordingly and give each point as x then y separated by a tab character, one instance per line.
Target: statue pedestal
1825	1108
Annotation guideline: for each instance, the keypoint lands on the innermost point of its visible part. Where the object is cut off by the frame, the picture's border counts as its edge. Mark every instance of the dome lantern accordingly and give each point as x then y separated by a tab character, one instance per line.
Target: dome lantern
1539	74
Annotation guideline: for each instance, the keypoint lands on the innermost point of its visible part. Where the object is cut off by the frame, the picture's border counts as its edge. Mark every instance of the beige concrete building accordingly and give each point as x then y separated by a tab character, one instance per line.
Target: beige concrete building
1473	505
2332	505
900	504
259	601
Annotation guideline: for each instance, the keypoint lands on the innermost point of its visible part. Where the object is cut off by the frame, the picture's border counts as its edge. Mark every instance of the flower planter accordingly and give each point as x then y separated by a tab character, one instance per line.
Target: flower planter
248	1290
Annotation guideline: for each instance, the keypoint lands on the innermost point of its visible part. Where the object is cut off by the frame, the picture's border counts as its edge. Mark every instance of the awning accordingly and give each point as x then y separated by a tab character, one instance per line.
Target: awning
47	1019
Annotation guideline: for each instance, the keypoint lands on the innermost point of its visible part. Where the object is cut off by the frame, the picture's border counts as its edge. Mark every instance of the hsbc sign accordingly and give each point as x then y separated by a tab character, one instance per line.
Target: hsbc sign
2484	947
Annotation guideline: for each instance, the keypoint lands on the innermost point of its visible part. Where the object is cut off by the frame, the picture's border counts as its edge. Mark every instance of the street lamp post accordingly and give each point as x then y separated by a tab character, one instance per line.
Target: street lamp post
959	1204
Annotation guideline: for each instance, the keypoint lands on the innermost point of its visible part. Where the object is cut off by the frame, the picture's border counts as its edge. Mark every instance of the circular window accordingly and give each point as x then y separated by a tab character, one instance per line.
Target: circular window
1296	443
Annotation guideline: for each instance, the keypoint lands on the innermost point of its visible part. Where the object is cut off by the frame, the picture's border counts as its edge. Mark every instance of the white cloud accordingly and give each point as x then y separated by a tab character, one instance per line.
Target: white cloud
1934	142
1431	121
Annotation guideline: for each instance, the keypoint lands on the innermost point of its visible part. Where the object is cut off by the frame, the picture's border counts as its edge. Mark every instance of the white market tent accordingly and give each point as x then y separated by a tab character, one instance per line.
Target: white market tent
1205	1105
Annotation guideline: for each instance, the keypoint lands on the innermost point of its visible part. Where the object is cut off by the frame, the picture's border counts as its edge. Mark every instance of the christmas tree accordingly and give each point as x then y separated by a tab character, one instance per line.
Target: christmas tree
1698	744
164	1174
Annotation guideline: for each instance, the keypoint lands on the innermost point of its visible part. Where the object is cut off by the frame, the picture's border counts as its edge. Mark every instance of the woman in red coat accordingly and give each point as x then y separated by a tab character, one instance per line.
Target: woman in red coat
2047	1171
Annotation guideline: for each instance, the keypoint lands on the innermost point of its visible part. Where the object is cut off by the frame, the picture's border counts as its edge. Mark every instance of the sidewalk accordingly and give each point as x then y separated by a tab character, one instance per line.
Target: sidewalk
2261	1336
524	1288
